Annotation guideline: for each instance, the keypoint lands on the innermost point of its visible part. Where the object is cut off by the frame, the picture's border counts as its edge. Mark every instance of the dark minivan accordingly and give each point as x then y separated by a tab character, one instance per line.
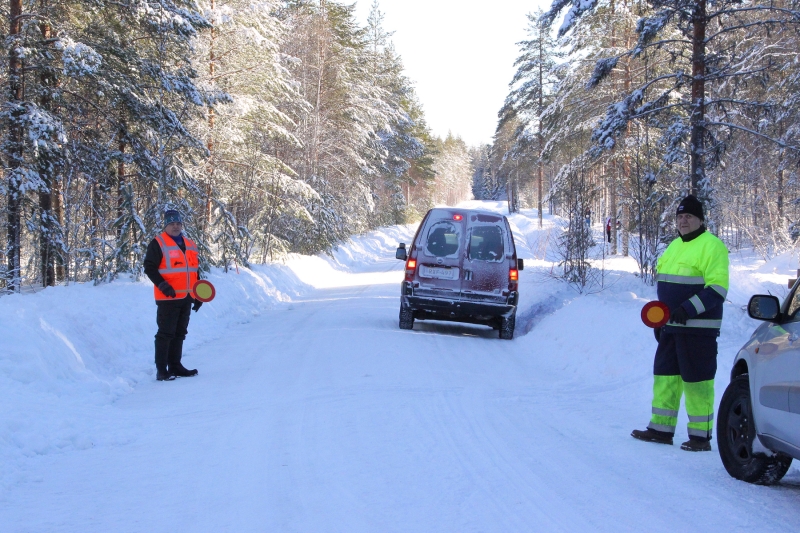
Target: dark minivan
462	266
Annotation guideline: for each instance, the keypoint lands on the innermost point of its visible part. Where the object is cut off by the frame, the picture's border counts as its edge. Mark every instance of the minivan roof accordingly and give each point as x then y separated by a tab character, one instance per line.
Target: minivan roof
456	210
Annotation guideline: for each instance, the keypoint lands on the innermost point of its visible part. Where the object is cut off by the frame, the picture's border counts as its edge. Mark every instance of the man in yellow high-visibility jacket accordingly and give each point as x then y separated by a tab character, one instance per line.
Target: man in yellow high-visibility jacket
692	277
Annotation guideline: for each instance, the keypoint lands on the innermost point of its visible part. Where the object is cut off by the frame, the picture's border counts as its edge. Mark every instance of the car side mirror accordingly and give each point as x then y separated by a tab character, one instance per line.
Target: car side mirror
401	252
520	264
764	307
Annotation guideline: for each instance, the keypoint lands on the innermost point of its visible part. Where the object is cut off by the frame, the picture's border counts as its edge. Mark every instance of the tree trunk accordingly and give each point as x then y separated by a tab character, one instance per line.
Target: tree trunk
697	118
612	201
206	223
48	228
539	136
15	145
58	214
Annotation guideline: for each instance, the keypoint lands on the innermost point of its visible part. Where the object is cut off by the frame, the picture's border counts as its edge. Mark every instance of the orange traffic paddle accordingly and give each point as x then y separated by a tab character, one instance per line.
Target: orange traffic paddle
655	314
204	291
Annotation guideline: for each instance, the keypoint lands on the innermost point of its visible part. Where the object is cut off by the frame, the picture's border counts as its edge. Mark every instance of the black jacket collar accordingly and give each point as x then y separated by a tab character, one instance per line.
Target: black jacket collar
694	234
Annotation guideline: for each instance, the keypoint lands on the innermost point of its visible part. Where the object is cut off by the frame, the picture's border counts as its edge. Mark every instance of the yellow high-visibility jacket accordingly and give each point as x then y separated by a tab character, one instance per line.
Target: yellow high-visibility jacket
693	274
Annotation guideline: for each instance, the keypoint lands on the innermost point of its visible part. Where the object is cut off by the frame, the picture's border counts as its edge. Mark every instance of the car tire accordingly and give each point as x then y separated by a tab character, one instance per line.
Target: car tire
507	326
736	431
406	318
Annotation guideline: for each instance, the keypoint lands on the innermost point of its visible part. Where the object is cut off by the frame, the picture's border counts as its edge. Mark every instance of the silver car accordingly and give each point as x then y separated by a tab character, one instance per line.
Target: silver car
763	397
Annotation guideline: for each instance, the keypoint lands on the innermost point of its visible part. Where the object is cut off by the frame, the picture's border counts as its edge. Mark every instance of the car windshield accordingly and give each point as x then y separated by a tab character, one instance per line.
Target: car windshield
442	239
486	244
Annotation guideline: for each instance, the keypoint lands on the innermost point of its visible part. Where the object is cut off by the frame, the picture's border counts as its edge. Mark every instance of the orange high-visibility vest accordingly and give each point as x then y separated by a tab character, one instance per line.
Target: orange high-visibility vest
179	269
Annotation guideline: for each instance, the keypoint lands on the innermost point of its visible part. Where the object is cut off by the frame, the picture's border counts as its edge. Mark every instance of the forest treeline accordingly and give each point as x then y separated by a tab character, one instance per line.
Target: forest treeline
619	108
273	126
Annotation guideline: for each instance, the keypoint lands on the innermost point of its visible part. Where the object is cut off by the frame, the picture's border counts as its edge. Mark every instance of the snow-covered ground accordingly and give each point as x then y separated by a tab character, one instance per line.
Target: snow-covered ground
314	413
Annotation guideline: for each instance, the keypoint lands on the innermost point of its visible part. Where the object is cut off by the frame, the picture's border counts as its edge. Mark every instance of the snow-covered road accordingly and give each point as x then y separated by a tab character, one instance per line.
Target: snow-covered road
320	415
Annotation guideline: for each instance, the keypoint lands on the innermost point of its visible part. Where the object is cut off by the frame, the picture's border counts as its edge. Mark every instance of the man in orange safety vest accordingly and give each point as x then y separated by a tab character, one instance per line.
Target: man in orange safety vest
171	263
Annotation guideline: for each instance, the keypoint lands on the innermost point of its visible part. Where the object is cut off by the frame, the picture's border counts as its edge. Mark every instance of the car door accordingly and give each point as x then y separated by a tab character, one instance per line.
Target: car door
485	265
777	376
441	250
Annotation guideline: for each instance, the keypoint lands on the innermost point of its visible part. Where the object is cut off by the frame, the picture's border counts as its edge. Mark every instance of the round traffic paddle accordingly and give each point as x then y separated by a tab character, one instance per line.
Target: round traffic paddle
204	291
655	314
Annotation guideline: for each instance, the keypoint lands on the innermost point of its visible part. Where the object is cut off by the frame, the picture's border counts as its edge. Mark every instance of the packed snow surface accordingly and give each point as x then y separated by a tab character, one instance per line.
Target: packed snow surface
313	412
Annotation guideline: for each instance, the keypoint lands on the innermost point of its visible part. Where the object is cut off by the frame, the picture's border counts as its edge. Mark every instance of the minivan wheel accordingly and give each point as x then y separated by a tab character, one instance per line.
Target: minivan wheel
507	326
406	318
736	431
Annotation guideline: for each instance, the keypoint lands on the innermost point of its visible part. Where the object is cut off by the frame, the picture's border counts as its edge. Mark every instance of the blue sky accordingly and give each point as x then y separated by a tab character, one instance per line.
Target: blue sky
460	55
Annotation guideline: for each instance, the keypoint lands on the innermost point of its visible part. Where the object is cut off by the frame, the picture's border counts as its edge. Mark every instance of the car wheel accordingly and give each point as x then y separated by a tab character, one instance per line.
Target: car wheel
736	431
406	318
507	326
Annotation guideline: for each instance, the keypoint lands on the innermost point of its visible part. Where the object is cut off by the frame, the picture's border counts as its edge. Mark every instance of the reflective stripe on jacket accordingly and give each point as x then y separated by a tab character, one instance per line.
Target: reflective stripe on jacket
179	269
694	275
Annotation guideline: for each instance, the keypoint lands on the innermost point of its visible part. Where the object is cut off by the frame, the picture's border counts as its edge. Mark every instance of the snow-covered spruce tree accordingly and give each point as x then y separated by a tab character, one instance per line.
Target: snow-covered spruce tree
575	193
701	40
340	133
603	32
531	91
453	169
506	160
405	141
246	187
128	107
100	94
32	145
484	186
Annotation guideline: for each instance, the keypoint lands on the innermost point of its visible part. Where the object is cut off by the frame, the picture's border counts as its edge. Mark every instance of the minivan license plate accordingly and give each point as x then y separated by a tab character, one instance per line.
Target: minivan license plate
438	272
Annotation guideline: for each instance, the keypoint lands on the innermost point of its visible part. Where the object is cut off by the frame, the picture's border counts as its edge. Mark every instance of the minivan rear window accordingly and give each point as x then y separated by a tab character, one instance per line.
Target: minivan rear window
442	239
486	244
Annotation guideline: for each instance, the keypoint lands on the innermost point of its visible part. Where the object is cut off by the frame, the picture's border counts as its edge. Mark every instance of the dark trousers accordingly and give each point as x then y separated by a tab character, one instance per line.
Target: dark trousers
172	318
692	357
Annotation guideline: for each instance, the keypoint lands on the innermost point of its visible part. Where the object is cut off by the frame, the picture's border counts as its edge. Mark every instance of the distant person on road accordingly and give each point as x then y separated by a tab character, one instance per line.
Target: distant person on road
172	263
692	277
608	229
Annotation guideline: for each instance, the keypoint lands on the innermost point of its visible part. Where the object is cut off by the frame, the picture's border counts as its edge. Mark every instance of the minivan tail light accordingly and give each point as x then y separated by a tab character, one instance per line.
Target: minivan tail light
411	266
513	274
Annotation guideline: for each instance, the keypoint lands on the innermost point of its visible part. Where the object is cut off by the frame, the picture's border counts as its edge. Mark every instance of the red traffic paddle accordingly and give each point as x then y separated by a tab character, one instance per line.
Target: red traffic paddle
204	291
655	314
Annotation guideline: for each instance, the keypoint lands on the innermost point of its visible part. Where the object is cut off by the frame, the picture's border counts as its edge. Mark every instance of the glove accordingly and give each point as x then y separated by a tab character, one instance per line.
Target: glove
167	289
196	305
657	333
679	316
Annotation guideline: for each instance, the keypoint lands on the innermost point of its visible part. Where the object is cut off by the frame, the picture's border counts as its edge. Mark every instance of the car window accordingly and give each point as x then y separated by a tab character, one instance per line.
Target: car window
442	239
486	244
794	305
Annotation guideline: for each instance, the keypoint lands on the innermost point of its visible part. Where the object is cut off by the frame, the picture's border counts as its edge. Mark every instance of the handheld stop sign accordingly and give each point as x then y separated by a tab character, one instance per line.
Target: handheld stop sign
655	314
204	291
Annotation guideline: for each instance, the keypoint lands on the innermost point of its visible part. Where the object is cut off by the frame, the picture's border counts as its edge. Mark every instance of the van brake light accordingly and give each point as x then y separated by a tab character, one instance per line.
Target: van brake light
411	265
457	217
513	274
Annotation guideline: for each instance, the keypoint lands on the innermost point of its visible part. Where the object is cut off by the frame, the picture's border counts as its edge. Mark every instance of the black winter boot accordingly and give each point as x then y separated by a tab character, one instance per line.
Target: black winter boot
652	435
162	349
180	371
696	445
175	355
164	375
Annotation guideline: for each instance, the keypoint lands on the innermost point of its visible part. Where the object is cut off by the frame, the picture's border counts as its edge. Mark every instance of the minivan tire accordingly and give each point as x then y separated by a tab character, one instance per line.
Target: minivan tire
507	326
736	431
406	318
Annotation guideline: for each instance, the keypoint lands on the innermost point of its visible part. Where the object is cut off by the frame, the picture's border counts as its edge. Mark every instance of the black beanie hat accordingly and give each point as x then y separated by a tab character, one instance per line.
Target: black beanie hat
171	215
692	206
